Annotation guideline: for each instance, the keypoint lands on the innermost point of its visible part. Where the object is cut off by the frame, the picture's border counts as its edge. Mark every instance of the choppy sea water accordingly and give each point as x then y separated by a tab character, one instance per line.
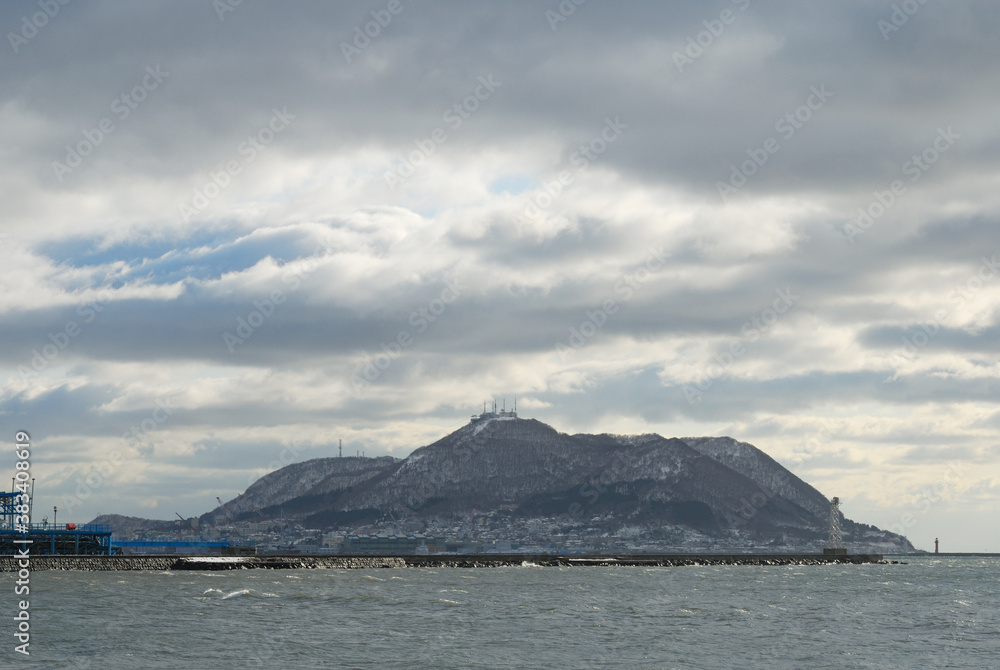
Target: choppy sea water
929	613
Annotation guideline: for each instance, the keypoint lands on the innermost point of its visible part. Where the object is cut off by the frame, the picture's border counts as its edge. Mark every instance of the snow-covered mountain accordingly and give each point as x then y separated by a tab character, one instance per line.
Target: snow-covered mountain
319	475
716	486
767	473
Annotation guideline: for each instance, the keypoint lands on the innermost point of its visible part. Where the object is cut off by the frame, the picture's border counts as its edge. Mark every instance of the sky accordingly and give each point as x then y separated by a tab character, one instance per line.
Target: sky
234	234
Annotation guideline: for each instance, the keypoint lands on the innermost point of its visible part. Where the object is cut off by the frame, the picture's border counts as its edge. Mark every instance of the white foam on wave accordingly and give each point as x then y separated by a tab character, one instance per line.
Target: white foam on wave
235	594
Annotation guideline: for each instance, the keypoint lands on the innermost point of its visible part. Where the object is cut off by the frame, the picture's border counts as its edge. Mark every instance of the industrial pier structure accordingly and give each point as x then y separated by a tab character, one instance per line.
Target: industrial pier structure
49	539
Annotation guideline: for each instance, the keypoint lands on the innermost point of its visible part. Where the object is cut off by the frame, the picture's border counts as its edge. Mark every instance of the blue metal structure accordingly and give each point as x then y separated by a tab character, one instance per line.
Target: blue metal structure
220	545
8	509
47	539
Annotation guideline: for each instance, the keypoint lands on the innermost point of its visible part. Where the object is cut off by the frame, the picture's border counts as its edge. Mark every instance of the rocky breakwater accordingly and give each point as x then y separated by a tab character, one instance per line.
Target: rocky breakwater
10	563
645	560
160	563
285	562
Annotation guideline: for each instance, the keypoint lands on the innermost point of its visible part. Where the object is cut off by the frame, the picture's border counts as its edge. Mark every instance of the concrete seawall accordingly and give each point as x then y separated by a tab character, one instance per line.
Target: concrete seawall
161	563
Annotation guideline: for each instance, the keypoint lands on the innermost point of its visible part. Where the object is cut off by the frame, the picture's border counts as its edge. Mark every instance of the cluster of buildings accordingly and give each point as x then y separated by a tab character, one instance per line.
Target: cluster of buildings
492	532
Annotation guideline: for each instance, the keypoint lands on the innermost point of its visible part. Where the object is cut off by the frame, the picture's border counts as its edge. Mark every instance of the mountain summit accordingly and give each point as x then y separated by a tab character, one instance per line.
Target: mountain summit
524	476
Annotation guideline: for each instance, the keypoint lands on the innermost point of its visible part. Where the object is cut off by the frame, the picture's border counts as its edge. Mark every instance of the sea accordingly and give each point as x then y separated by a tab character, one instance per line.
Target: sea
924	612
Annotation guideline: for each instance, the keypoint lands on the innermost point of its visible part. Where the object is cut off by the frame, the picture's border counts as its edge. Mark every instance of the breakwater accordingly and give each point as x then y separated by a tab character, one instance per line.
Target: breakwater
286	562
160	563
648	560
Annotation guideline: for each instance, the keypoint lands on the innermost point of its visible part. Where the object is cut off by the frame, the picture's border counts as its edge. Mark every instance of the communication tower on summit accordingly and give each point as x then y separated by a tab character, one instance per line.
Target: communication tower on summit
494	413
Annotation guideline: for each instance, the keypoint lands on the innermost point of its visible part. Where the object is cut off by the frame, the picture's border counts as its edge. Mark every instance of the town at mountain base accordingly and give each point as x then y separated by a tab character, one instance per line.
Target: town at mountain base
506	483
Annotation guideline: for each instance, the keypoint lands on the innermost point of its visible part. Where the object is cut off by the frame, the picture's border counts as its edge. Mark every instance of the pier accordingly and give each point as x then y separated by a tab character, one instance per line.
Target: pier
47	538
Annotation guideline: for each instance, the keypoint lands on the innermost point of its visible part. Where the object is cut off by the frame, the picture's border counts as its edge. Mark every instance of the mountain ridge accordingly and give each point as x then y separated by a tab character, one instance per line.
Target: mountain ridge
517	475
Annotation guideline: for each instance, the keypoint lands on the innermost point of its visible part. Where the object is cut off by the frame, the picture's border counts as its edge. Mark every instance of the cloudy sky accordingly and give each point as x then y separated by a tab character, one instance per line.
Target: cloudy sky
234	234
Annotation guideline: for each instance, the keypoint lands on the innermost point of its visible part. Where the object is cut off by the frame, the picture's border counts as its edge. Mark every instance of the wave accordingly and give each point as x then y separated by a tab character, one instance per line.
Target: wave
227	596
236	594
